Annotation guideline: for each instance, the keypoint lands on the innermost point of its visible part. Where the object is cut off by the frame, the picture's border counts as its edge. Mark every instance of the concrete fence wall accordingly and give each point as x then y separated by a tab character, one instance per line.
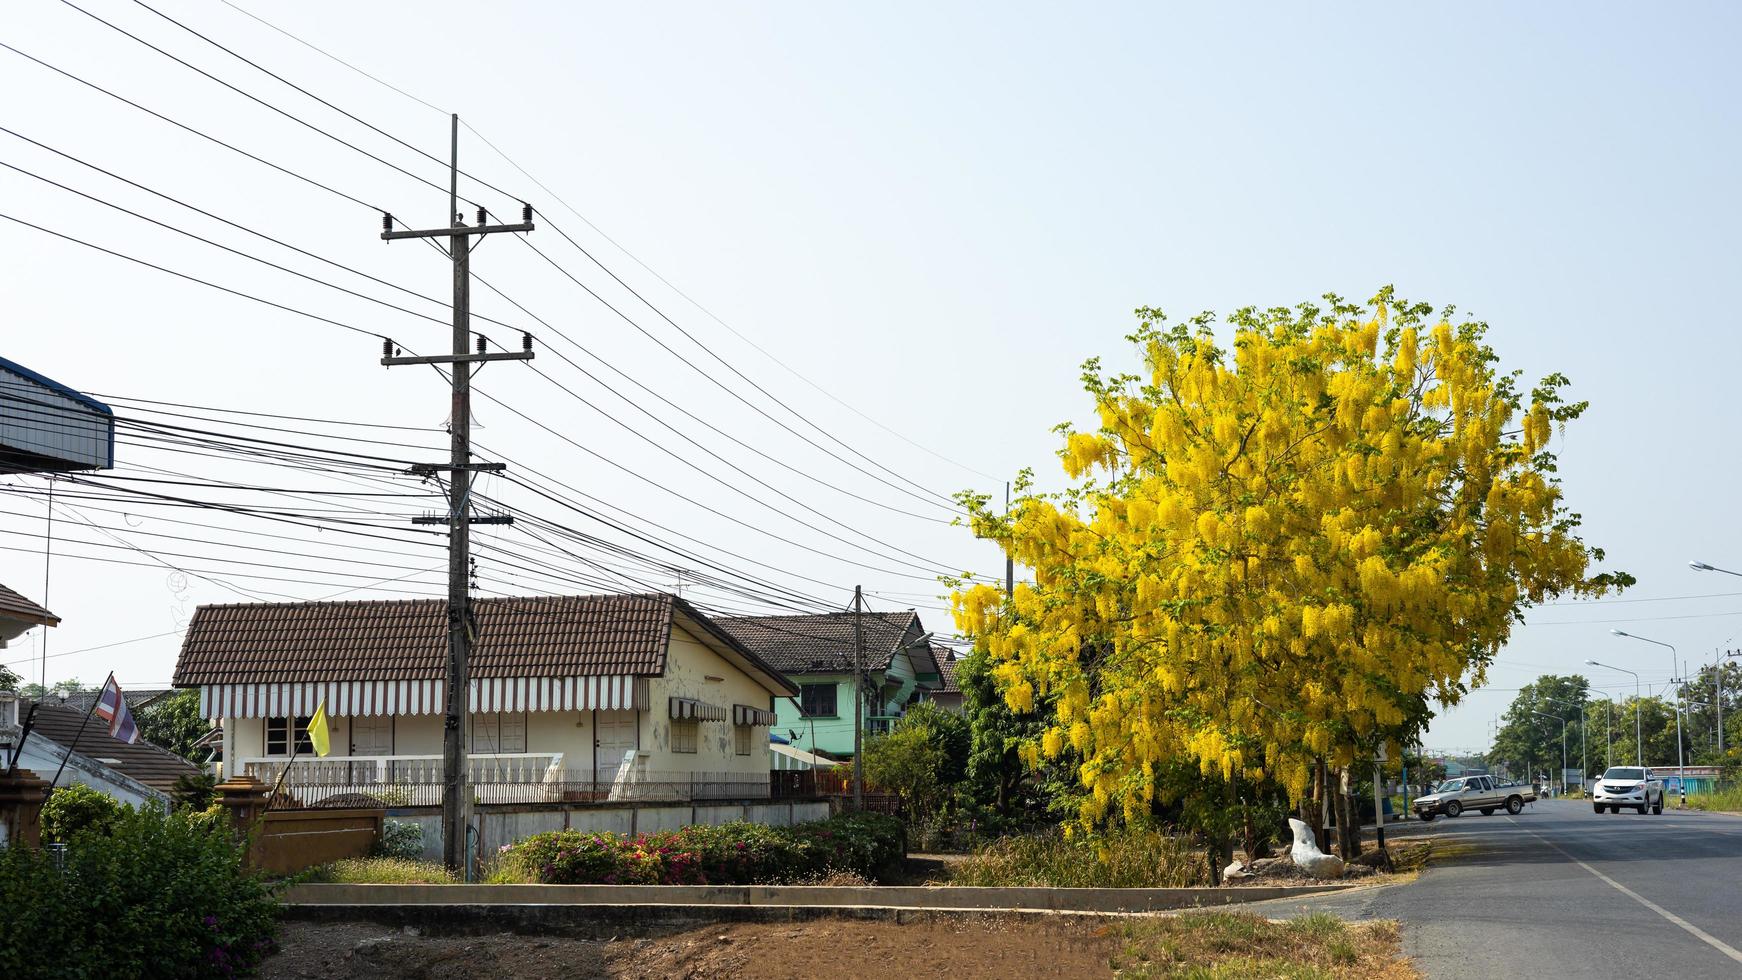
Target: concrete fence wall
499	825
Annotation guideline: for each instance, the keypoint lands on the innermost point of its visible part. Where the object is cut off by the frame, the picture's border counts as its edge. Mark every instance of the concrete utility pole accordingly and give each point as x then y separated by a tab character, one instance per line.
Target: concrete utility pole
456	799
1009	562
858	700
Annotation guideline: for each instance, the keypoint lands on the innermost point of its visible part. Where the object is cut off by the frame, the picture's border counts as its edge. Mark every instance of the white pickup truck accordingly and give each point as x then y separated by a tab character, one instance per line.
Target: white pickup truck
1481	793
1628	786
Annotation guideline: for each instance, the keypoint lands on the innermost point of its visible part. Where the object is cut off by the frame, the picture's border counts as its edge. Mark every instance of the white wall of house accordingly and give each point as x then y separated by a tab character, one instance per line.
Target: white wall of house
694	670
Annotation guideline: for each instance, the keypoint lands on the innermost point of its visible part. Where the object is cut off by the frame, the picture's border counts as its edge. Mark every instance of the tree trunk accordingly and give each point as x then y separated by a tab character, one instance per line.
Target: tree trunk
1348	817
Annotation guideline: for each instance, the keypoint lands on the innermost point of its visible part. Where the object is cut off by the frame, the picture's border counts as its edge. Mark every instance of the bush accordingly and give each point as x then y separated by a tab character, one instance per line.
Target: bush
400	839
161	895
76	809
728	854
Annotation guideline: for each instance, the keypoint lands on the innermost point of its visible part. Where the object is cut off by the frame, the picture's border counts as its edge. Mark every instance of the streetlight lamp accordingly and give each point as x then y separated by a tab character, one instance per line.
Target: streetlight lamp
1584	756
1563	721
1638	743
1680	765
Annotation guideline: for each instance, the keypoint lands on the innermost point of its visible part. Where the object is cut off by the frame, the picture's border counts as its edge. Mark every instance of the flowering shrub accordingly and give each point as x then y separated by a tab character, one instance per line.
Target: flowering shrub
150	895
727	854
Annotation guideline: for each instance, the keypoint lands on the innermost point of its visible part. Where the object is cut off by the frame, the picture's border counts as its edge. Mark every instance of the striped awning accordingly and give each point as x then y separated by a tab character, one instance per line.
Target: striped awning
688	708
744	714
349	699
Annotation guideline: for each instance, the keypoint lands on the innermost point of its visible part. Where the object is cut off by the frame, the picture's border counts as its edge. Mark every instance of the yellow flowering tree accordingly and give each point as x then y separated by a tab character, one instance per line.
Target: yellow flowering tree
1275	557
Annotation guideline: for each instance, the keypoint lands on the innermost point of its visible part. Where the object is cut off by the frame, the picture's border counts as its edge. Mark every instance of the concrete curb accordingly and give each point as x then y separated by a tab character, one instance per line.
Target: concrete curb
720	897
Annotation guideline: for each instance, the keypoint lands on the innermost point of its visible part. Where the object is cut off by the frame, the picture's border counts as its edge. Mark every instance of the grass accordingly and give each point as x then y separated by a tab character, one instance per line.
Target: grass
1729	799
1127	858
1228	945
380	871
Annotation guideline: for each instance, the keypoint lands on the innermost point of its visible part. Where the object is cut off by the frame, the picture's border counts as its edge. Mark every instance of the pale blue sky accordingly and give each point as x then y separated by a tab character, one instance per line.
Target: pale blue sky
935	211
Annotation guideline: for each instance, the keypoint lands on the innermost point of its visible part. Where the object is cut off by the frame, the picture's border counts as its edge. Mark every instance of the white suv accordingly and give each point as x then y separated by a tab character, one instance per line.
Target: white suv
1629	786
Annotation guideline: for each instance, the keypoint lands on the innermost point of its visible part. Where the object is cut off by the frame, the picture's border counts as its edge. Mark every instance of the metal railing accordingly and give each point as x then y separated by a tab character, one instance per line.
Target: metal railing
406	781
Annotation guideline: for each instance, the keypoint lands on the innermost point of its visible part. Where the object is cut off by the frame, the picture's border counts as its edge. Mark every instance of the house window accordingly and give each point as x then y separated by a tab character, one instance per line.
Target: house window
817	700
741	738
684	735
278	736
499	732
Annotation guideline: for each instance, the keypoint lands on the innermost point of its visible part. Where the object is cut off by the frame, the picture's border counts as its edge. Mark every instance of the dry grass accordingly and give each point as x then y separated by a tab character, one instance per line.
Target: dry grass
380	871
1229	945
1128	858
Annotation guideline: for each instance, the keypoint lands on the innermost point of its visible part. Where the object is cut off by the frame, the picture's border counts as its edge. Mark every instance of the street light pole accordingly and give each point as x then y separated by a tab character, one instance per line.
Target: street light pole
1638	742
1563	722
1680	764
1718	658
1584	756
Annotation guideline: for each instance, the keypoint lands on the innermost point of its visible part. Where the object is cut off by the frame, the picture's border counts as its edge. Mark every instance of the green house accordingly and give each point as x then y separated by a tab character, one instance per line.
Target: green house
817	652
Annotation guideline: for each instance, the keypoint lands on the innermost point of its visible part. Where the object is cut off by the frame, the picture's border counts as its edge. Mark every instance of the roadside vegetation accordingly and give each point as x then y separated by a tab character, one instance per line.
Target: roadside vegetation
1124	858
137	893
1727	800
867	845
379	871
1218	945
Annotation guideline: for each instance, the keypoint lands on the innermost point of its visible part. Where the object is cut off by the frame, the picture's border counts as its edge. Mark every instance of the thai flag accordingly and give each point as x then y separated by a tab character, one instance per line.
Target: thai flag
112	708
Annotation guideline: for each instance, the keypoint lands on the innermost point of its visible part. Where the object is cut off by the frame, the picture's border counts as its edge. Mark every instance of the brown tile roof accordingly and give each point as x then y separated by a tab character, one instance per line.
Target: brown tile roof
521	636
155	767
823	643
947	664
15	606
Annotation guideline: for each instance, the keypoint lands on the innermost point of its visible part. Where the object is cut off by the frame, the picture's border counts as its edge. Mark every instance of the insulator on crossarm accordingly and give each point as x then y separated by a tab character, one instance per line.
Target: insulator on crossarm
525	213
526	342
480	343
386	347
482	214
387	222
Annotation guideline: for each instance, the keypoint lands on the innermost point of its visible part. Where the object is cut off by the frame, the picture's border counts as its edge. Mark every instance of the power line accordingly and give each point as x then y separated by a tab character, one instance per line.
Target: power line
203	135
190	278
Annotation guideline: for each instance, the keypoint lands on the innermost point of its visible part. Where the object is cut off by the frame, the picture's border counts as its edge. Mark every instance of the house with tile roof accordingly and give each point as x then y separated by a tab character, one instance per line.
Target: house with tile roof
131	772
947	695
817	653
571	698
19	615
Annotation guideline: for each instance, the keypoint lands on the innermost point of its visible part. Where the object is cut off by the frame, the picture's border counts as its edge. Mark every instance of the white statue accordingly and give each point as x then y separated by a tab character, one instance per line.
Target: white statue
1308	857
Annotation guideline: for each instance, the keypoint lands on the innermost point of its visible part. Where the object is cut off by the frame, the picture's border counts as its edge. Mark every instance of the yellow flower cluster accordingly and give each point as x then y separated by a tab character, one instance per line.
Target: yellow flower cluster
1280	556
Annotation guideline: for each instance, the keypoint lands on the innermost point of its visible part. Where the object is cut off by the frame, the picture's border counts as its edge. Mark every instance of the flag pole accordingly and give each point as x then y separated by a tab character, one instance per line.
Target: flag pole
295	735
81	732
295	738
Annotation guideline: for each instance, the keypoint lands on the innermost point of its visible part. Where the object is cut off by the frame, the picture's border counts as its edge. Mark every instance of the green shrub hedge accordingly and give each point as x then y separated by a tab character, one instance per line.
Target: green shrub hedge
727	854
75	809
150	895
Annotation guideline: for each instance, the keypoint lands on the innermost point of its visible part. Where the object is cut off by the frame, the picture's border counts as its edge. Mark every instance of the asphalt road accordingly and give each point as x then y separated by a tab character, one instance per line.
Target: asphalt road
1560	891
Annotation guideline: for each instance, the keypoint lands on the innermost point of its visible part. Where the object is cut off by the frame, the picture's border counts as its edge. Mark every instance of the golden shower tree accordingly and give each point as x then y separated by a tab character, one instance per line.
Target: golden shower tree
1274	558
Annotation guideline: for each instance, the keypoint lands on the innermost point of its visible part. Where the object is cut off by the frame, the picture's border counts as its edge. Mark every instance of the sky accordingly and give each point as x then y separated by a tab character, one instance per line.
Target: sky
909	223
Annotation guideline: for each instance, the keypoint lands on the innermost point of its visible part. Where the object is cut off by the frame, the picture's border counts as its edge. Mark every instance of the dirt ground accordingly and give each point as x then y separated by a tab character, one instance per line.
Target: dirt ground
1014	949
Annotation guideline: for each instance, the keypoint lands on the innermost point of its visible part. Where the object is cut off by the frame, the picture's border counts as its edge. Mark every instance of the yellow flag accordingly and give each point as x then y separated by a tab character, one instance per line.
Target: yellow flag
317	730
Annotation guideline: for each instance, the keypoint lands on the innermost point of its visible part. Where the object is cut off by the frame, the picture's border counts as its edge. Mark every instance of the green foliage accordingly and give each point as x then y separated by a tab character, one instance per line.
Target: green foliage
400	839
173	722
1127	857
159	895
997	778
195	791
908	762
77	809
9	680
727	854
